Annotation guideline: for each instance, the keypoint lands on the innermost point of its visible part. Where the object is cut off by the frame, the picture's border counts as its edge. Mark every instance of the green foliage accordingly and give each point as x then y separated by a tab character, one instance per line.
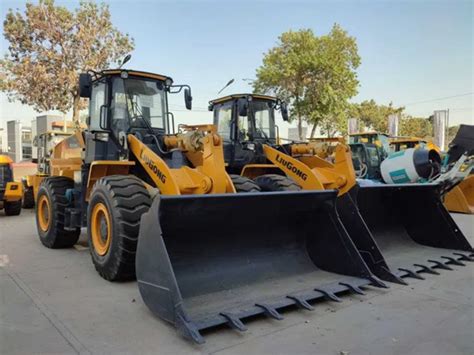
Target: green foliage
315	75
373	116
416	127
50	45
452	131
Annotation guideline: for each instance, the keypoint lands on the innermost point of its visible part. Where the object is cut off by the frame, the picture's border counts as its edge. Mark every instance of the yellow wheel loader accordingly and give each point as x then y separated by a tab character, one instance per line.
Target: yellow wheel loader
44	144
10	191
161	207
400	230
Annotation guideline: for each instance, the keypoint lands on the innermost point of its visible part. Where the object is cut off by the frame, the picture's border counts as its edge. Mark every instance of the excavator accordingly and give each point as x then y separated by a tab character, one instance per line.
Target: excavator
207	248
400	230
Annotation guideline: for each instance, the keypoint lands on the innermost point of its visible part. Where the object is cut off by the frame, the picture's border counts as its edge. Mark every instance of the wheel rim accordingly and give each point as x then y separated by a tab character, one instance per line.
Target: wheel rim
100	229
44	213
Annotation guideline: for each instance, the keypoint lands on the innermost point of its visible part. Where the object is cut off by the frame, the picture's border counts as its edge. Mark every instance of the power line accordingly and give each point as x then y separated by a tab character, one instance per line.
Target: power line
439	99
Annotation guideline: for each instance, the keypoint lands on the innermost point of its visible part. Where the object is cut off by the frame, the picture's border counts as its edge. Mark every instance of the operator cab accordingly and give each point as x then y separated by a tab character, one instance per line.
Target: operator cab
126	102
245	122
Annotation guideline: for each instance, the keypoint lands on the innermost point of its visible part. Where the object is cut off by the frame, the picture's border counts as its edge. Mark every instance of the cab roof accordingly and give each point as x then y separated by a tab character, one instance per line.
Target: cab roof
238	96
136	73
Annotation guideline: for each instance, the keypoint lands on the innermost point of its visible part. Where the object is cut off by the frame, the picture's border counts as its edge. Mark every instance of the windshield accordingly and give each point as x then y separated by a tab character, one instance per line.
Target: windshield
137	100
264	122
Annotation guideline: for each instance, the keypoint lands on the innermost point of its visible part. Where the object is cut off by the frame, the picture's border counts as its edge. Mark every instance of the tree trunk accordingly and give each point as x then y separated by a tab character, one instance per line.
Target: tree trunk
300	128
313	130
76	111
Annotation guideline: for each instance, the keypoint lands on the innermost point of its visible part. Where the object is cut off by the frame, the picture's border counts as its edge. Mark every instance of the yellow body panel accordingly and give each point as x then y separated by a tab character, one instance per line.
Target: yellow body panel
5	159
461	198
101	168
13	192
203	148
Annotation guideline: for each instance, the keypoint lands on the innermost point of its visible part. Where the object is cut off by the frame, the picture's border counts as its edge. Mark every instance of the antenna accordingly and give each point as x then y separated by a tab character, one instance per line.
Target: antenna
226	85
125	60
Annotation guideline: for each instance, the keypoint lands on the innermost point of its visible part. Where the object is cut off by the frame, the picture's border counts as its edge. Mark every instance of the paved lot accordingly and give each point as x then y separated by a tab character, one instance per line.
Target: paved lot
53	301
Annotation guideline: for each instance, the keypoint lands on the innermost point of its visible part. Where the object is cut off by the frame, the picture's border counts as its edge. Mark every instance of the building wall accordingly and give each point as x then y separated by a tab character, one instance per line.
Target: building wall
14	150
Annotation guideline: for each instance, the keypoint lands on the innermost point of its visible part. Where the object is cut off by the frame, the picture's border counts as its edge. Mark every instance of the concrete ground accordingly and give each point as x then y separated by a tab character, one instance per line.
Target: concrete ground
53	301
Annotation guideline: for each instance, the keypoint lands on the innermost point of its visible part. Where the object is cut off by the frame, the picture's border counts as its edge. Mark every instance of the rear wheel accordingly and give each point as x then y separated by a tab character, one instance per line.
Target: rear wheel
50	213
12	208
243	184
116	205
28	198
274	182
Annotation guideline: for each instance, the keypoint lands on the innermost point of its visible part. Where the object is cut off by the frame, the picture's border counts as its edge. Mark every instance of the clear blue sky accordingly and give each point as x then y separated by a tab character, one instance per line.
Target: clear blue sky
411	51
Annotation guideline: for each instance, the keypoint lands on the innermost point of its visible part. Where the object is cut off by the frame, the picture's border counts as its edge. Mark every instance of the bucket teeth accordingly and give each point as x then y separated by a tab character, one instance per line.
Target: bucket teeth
301	302
464	257
439	264
234	321
353	288
189	330
375	281
270	311
426	269
330	295
453	260
412	273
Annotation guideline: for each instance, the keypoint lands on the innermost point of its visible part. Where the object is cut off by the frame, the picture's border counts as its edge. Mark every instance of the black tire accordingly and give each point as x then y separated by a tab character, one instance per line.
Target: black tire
243	184
274	182
12	208
53	191
126	199
28	198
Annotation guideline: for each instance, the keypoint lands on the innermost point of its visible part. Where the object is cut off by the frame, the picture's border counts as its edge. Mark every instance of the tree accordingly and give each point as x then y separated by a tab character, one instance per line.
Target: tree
315	75
50	45
416	127
372	115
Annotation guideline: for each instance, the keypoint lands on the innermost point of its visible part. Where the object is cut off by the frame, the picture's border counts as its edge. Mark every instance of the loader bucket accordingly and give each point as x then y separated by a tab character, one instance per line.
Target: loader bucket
363	238
461	197
412	228
210	260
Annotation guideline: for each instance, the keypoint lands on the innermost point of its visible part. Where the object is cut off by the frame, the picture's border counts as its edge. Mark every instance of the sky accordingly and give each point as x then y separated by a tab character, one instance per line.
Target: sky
417	54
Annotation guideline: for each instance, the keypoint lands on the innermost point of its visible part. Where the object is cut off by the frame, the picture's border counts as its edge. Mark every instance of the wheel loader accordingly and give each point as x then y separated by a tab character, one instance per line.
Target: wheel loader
10	191
160	206
44	144
400	230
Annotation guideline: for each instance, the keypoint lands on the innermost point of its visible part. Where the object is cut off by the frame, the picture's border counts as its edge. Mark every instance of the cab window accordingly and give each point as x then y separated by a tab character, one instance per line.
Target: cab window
96	102
223	119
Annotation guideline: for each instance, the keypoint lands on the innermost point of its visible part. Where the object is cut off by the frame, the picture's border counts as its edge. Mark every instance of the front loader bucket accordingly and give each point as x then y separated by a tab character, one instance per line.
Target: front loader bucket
461	197
413	230
208	260
363	238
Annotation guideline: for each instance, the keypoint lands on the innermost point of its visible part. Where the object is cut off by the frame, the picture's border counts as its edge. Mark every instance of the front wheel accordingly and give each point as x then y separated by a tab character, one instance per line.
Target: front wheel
274	182
28	198
50	213
116	205
12	208
243	184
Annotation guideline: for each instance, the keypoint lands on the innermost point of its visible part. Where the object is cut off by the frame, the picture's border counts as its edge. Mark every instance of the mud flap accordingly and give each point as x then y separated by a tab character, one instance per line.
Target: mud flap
203	261
412	228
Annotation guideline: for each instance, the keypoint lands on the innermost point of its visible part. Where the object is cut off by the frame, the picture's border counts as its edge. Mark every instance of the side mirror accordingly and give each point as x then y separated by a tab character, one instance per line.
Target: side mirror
284	111
188	99
242	106
85	85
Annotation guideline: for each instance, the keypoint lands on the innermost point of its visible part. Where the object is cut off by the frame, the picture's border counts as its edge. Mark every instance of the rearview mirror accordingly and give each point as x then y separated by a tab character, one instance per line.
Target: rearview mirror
188	99
85	85
242	106
284	111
